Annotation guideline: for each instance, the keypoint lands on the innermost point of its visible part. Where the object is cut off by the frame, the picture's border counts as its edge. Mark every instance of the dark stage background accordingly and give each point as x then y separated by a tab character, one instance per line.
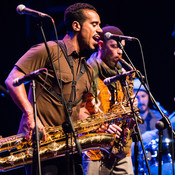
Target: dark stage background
151	22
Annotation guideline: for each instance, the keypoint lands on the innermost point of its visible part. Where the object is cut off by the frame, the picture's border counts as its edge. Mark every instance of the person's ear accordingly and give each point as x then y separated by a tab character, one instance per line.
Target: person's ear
76	26
100	44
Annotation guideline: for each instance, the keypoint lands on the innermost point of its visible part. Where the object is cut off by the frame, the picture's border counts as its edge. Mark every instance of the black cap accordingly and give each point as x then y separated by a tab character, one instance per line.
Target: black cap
112	30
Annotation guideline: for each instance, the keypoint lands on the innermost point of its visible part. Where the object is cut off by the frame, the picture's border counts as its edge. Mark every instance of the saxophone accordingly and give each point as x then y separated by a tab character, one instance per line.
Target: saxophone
19	152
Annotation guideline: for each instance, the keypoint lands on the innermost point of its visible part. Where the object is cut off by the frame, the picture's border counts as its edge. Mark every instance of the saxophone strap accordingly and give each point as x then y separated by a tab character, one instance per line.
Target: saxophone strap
70	103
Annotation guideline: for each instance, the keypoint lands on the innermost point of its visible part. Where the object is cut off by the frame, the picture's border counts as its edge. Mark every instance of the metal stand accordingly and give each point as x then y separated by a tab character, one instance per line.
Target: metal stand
136	150
160	127
137	129
36	165
66	129
68	121
137	134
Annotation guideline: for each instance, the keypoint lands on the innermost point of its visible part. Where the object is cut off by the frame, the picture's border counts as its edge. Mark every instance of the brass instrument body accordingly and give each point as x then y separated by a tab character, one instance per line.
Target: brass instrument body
21	151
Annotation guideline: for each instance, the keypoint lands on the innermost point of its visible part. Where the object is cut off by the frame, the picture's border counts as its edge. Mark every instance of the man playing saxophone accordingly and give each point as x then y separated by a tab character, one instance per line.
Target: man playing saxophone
83	30
106	63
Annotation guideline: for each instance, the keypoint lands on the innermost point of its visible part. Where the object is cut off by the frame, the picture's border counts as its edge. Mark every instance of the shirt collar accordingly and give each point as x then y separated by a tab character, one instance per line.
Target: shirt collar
70	47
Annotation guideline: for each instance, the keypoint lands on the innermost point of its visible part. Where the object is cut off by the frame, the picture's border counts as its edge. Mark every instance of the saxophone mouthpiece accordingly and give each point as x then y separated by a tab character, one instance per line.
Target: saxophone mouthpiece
125	63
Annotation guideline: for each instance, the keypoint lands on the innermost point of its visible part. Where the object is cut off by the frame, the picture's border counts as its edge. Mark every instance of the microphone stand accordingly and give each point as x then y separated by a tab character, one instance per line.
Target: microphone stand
136	150
160	127
165	119
36	165
137	134
67	125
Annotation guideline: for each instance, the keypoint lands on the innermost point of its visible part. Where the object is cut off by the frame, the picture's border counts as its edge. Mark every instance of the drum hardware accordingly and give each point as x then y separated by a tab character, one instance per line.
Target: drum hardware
152	156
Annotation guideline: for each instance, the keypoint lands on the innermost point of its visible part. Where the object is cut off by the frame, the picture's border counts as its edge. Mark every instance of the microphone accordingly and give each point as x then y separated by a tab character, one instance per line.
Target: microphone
28	77
110	80
109	35
160	124
22	9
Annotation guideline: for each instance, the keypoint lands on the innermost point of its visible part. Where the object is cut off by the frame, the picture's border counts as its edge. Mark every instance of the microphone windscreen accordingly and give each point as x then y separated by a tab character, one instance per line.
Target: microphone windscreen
20	8
108	35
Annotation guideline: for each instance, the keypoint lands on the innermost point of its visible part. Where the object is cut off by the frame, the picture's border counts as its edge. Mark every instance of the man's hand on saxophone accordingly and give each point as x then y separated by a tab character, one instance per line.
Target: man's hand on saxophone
31	127
105	128
110	128
19	95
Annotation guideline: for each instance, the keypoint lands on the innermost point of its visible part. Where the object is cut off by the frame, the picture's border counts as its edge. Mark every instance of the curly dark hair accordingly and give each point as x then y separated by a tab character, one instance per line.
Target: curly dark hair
75	13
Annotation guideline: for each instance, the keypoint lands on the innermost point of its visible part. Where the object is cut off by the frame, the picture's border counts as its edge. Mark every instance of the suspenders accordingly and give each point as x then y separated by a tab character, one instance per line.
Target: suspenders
69	59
